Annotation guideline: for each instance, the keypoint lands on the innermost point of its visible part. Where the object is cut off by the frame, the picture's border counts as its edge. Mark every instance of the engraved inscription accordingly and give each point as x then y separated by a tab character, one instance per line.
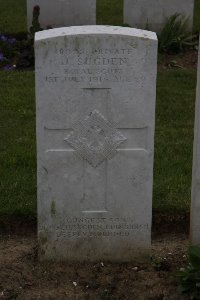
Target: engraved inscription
95	139
102	66
73	227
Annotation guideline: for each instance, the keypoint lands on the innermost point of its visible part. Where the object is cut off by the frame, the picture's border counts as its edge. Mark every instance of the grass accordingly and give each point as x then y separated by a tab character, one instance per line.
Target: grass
17	147
173	154
109	12
12	16
174	139
197	16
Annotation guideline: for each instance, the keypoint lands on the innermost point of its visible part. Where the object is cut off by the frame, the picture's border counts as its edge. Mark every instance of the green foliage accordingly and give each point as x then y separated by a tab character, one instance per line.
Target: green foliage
159	263
156	262
35	22
27	56
175	36
194	254
16	53
29	43
189	278
196	26
8	46
8	49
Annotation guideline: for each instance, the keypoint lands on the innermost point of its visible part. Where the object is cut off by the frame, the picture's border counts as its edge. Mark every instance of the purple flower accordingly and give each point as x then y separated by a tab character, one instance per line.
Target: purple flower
1	56
8	68
3	38
12	41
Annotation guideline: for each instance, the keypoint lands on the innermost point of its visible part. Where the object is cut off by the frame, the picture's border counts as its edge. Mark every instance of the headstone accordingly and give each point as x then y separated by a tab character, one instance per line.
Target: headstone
152	14
61	13
195	208
96	90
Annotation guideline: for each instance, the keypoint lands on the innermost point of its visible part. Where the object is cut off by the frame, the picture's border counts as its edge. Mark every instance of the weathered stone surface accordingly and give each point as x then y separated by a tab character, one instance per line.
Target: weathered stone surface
152	14
95	90
195	207
60	13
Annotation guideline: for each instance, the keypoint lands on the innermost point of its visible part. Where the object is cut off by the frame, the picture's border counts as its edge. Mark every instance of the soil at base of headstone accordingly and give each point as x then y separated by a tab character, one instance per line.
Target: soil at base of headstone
184	60
22	277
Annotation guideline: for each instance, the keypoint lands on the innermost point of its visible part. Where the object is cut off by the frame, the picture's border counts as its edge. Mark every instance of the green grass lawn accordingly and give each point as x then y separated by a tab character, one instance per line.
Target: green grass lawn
12	16
197	16
173	155
174	140
17	147
109	12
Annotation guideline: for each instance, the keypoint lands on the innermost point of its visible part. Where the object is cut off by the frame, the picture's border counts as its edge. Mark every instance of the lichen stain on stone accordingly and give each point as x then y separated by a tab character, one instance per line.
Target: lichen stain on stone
53	208
66	41
77	45
44	47
43	44
43	245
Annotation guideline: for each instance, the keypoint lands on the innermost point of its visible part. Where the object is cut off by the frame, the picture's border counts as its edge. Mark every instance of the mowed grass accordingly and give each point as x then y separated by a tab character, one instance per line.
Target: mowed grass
109	12
12	16
173	142
197	16
17	144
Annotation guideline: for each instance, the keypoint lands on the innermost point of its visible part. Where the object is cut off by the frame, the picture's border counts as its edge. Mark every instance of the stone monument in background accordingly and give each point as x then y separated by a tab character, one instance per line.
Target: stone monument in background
195	207
152	14
61	13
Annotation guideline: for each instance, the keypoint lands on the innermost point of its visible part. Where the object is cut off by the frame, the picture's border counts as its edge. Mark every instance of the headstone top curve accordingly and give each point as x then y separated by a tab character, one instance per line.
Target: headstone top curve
96	30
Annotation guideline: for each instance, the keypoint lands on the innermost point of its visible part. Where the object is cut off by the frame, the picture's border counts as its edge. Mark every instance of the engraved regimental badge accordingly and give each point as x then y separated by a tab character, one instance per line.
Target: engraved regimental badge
95	139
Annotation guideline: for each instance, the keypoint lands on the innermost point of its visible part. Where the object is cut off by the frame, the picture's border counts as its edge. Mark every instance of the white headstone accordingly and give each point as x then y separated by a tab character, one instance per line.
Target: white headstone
96	90
195	208
59	13
152	14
